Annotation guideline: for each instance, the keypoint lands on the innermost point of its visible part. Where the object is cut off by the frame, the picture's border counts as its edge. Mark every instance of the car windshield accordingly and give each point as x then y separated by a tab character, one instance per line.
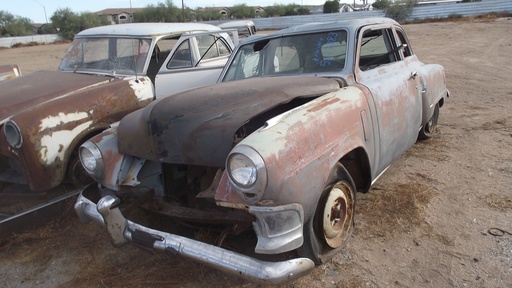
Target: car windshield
291	55
109	55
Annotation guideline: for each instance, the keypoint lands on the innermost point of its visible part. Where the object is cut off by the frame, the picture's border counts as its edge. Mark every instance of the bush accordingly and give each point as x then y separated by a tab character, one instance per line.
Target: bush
400	11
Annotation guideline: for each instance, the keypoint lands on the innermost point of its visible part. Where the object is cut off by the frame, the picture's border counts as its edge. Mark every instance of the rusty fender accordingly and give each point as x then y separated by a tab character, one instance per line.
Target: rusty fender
53	129
433	91
300	147
115	170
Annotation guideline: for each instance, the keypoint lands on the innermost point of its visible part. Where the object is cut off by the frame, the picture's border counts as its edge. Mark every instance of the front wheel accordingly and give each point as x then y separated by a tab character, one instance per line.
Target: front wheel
430	129
76	174
328	230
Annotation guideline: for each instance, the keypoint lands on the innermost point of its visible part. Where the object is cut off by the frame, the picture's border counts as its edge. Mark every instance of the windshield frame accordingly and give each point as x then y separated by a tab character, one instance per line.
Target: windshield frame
136	58
311	48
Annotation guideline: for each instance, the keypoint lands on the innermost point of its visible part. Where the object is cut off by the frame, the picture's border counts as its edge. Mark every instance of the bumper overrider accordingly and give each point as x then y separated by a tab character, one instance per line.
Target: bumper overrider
122	230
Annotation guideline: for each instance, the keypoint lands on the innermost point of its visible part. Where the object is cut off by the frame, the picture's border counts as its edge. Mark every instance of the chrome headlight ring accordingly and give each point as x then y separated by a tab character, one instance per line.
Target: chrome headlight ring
91	159
247	172
13	134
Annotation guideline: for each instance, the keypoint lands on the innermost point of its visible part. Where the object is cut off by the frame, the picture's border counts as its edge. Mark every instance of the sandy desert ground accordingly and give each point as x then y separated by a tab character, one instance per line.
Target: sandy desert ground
425	223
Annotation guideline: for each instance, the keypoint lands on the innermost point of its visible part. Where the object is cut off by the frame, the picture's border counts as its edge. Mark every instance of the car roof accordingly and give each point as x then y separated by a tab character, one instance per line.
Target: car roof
234	24
349	24
147	29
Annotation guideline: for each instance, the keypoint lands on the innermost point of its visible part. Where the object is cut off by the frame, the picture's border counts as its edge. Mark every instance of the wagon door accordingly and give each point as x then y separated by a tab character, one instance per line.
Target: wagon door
397	103
197	59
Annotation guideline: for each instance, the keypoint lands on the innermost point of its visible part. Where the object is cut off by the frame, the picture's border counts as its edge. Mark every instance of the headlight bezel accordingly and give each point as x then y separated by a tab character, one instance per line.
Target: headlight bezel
253	192
13	134
95	156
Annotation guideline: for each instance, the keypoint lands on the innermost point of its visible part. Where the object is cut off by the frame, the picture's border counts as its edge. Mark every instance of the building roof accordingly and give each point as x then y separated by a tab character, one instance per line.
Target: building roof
117	11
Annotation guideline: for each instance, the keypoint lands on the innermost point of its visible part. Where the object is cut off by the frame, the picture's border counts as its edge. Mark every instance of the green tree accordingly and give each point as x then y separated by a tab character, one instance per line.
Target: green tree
303	11
207	14
275	10
241	11
381	4
284	10
161	12
332	6
401	10
291	9
11	25
68	24
89	20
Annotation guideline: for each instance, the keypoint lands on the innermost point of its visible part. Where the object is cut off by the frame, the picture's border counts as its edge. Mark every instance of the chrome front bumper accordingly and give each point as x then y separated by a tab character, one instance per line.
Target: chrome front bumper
122	231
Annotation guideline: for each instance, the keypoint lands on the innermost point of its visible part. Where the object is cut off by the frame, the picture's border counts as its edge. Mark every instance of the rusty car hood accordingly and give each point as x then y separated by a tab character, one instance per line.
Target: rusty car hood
196	127
39	87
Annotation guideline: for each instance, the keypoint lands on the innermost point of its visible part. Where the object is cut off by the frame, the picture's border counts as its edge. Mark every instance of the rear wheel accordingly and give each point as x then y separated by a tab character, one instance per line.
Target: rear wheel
330	227
430	128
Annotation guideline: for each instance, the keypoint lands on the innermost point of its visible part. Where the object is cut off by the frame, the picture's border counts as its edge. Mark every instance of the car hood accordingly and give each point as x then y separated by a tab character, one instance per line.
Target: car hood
39	87
196	127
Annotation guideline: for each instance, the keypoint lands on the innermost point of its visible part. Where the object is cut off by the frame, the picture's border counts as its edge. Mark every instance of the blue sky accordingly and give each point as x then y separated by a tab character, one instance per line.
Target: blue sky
34	9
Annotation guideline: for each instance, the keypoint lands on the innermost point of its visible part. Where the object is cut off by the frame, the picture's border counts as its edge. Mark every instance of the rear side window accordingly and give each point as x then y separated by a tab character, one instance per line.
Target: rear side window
377	48
211	47
182	57
403	40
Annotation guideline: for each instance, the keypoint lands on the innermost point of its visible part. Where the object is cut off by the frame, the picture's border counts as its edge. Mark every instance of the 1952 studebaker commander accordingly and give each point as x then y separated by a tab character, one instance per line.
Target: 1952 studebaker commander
317	112
106	73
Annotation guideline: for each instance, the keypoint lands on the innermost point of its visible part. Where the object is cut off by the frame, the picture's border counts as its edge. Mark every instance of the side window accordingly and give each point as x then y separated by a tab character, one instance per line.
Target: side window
286	59
403	40
182	57
165	46
207	47
212	47
377	49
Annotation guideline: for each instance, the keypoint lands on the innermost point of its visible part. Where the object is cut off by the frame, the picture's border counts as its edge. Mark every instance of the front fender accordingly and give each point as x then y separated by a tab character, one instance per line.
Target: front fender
299	148
52	130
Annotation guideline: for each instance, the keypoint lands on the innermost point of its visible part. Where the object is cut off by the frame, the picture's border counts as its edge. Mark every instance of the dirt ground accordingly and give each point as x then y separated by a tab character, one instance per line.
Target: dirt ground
425	223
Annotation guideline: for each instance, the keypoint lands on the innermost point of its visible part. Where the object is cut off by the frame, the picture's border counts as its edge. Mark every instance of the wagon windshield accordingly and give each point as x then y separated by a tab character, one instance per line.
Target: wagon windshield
297	54
109	55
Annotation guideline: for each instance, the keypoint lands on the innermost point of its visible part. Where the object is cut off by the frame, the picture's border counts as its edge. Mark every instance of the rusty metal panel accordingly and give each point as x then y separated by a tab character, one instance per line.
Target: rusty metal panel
203	134
53	128
306	143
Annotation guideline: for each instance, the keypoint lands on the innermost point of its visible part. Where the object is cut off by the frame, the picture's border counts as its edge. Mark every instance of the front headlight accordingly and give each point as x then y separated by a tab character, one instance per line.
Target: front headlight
91	159
13	134
247	171
243	170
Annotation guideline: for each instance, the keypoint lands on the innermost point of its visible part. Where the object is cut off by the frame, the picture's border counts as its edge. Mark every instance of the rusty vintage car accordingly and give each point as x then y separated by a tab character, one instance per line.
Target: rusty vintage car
317	112
106	73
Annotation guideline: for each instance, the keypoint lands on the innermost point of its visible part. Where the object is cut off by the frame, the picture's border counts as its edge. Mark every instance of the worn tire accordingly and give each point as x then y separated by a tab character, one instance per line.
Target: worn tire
328	230
75	173
430	129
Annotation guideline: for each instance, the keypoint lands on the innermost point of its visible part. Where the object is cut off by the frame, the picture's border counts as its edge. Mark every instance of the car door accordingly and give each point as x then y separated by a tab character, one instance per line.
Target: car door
397	102
196	60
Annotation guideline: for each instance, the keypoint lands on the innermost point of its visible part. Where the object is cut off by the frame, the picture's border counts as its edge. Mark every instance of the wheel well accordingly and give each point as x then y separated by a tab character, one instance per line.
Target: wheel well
357	164
79	141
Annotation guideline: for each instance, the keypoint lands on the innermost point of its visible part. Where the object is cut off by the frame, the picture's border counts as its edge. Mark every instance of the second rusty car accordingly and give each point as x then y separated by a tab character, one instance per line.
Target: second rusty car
106	73
317	113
